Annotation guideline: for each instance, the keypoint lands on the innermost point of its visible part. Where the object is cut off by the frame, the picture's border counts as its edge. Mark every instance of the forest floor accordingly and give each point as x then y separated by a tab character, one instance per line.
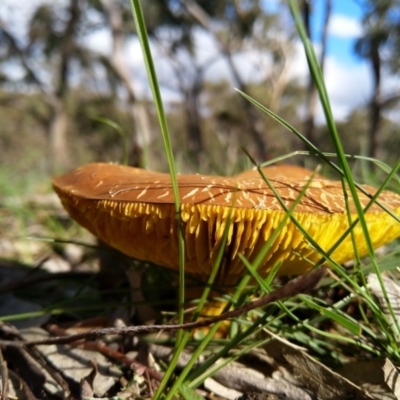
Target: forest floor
51	285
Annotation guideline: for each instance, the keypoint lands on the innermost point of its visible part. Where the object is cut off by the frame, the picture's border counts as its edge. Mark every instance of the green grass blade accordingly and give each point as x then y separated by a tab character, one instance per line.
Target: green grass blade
210	334
189	394
155	89
319	82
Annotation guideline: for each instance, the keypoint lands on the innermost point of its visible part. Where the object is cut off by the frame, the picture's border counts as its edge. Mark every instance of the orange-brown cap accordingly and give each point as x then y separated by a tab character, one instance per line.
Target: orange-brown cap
133	211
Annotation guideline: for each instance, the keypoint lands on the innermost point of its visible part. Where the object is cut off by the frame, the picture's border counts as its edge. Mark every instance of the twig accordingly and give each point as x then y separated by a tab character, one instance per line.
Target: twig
299	285
107	351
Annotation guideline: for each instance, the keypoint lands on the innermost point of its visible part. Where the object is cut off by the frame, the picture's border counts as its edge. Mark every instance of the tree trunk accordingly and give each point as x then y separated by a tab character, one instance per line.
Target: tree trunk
375	104
193	122
254	123
138	110
58	124
58	143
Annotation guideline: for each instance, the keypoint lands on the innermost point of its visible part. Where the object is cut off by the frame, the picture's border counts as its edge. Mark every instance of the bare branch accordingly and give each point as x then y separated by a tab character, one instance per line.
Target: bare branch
22	57
255	127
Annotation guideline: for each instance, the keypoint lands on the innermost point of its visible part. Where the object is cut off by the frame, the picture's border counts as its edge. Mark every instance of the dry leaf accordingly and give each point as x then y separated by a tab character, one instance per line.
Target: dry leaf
393	293
392	377
319	380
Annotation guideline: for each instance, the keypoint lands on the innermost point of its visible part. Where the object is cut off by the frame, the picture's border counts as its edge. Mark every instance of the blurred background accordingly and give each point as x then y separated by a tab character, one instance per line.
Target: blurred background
67	65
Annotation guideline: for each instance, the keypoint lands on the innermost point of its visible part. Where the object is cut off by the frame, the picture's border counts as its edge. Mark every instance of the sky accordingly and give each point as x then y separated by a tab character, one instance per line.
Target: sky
344	29
347	77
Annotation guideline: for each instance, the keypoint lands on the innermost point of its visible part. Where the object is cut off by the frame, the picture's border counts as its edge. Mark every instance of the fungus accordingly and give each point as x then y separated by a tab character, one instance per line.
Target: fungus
133	211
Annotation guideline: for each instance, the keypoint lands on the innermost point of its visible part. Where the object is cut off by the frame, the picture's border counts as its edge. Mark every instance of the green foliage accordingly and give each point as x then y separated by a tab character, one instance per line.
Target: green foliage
152	76
189	394
382	33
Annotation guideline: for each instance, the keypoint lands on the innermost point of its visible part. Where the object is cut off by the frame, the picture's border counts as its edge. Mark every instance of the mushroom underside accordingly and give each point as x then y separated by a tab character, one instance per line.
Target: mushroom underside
148	232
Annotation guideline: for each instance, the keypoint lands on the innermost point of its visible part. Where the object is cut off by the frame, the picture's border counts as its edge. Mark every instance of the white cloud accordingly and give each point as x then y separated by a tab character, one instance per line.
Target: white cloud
16	14
99	41
345	27
349	87
299	67
205	45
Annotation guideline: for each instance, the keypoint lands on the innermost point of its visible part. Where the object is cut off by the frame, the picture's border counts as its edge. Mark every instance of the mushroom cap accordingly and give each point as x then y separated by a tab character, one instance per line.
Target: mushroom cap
133	211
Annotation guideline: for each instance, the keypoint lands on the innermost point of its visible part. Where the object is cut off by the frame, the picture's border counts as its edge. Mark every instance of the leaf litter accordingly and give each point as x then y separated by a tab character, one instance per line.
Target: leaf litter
122	366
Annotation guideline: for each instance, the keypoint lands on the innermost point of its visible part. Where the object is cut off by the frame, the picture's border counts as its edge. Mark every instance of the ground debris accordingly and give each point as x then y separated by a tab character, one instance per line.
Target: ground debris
106	366
321	381
392	375
88	369
57	370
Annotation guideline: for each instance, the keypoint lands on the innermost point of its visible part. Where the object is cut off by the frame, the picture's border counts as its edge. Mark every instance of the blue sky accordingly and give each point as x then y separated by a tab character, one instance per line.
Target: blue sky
347	77
341	40
339	46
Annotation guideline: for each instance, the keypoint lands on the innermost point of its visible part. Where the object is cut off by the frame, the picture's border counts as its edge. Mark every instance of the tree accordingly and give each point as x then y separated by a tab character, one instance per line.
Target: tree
114	13
312	97
47	39
378	45
241	19
76	83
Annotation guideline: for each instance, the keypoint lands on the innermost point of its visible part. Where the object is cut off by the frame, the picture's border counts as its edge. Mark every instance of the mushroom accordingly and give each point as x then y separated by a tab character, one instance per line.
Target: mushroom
133	211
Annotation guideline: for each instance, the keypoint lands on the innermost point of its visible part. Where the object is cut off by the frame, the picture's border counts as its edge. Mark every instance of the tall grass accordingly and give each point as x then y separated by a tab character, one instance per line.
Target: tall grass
374	334
155	89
